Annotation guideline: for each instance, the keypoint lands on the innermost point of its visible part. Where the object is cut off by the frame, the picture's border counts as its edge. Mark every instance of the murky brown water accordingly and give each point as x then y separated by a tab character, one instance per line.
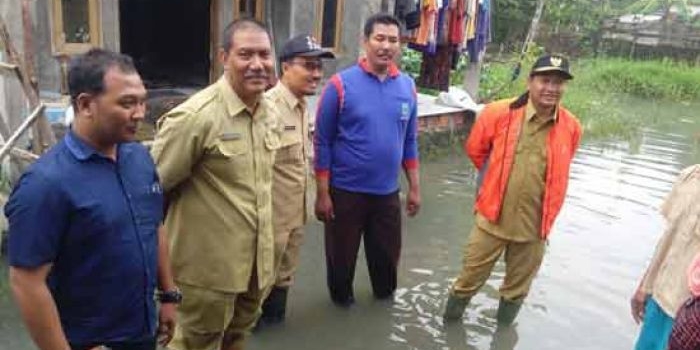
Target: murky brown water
602	240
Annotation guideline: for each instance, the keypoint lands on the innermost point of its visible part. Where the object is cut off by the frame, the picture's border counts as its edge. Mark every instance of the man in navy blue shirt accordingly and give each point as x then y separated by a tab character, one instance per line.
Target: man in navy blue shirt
365	133
85	240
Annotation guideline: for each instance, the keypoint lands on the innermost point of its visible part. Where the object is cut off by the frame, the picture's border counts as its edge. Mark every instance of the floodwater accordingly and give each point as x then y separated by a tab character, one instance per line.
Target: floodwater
601	243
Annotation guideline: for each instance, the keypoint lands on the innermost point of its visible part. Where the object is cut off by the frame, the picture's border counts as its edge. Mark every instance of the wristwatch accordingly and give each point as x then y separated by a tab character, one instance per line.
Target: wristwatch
170	297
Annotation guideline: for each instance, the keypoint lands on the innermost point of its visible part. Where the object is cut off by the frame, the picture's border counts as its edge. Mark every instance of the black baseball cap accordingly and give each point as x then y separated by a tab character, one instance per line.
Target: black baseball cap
552	63
304	45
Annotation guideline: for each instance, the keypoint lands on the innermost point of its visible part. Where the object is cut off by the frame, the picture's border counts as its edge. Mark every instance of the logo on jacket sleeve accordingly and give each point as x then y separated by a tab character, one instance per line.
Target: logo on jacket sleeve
405	111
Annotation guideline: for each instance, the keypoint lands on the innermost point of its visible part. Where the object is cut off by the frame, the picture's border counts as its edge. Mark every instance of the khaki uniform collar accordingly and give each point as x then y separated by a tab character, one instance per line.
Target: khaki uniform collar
289	97
234	104
530	111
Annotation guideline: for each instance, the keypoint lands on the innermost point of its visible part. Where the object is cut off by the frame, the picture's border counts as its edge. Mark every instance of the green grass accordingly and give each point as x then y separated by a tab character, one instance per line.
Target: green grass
653	79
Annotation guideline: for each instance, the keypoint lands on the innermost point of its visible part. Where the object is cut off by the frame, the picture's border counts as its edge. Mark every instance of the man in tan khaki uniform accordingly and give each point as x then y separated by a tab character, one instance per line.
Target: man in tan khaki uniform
302	70
214	155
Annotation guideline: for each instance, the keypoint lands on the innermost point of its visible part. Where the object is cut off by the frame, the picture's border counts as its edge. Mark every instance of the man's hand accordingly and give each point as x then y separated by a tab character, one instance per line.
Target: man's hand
166	323
324	207
638	303
413	202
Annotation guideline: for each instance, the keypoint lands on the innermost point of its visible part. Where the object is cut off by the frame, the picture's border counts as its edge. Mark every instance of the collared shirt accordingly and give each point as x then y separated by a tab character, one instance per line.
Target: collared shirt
521	214
290	177
96	221
214	158
366	130
666	278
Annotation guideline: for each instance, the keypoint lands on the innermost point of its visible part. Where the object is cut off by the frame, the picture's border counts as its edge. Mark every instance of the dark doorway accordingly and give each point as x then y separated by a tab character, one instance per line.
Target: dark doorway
168	39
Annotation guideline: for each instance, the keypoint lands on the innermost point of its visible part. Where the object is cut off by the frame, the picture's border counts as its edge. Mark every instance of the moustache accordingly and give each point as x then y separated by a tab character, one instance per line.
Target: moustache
255	76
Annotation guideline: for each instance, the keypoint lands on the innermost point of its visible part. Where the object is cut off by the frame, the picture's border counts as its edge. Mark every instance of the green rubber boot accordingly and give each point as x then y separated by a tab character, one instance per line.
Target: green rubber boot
454	309
508	311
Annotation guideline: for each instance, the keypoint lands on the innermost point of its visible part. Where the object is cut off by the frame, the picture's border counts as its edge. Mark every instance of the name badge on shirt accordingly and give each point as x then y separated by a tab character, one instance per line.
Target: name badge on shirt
405	111
230	136
290	127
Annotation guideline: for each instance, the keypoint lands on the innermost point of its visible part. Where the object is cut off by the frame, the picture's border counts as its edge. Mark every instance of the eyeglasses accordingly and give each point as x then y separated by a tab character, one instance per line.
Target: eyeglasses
309	65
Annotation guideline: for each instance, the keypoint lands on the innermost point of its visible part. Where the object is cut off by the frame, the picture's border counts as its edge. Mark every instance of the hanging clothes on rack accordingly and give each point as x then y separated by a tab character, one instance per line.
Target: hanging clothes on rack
477	45
458	22
436	69
408	12
447	29
429	10
472	10
437	56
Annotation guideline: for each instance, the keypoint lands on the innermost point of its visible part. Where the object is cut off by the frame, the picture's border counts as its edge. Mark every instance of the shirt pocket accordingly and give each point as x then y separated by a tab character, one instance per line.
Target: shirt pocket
229	160
225	149
290	154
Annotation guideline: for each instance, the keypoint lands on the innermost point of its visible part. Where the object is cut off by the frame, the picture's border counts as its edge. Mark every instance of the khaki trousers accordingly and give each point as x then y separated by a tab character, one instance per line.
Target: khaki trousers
287	247
522	260
213	320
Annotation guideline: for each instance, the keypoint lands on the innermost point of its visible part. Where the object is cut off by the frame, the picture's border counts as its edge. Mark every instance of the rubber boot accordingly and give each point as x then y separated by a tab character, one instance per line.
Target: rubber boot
508	311
454	309
505	337
274	309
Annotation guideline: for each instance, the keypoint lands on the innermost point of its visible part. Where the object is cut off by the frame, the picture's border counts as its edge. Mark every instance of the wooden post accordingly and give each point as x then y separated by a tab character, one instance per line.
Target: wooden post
38	112
385	6
15	152
4	129
28	42
271	30
472	77
43	137
7	66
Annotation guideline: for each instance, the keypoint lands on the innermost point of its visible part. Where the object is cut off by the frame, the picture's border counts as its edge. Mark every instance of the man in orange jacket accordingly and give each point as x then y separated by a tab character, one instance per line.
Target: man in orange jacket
523	147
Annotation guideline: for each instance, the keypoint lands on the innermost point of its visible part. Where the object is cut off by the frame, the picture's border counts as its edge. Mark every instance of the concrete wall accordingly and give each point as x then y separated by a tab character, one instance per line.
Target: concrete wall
109	15
354	14
282	12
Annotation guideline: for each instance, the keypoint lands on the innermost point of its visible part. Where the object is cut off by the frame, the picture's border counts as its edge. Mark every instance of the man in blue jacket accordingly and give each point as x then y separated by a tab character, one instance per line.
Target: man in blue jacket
365	133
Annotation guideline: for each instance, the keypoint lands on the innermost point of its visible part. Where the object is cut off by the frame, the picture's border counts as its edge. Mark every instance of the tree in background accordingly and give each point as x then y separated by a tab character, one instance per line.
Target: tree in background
663	7
571	19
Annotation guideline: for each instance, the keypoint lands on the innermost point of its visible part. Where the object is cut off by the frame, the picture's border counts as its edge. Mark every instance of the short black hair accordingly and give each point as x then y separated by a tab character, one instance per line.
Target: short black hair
87	71
380	18
239	24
